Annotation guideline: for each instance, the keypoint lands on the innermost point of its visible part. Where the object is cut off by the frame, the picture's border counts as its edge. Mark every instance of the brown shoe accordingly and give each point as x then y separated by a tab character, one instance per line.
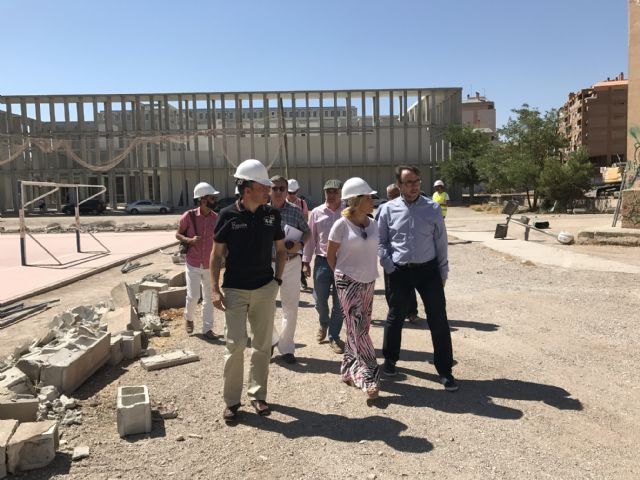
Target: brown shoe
337	346
261	407
372	393
322	334
230	414
188	326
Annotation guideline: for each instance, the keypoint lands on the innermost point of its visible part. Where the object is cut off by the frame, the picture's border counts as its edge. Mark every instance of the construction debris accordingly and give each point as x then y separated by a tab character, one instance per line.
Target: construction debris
33	445
170	359
134	410
79	453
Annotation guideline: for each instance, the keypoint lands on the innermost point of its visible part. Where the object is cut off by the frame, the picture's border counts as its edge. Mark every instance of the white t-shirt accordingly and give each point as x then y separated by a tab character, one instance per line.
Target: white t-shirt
357	258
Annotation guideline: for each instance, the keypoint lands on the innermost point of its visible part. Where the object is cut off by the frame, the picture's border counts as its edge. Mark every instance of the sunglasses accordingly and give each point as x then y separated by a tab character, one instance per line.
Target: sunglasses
278	189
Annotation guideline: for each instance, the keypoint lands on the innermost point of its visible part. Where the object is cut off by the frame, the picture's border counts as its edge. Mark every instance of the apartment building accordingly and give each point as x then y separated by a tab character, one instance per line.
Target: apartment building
480	113
596	118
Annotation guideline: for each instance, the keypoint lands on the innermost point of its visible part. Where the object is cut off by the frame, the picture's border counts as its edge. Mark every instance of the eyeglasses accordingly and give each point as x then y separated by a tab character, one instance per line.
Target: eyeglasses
411	183
278	189
331	190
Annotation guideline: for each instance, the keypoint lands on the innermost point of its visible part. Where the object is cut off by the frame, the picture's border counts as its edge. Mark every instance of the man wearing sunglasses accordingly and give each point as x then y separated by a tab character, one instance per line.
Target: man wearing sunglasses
413	252
292	217
321	220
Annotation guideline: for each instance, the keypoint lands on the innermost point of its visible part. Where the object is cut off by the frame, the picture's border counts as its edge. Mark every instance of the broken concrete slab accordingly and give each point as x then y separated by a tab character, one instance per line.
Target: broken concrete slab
172	298
148	302
123	295
22	409
17	381
79	453
131	344
33	445
116	350
177	279
48	394
134	410
122	319
159	286
68	365
169	359
7	428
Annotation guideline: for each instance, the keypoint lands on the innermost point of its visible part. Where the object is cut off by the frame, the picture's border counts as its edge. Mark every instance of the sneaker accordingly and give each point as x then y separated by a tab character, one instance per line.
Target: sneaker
389	369
288	358
337	346
322	334
449	383
414	319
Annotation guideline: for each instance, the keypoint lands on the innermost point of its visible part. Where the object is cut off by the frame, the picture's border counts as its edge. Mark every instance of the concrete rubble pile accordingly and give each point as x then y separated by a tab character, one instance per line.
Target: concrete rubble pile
37	381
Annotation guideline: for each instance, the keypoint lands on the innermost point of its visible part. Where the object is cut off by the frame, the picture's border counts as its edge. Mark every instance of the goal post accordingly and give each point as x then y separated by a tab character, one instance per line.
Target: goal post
54	187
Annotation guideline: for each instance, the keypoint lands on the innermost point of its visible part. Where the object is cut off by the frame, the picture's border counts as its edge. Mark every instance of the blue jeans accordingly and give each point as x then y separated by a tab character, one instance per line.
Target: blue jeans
323	286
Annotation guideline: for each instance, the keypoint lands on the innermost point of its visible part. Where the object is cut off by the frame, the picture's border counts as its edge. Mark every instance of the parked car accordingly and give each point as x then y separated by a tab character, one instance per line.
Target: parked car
147	206
93	205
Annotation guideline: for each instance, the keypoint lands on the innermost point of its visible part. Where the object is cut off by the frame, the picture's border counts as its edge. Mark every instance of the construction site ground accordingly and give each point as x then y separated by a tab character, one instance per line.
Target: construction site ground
545	342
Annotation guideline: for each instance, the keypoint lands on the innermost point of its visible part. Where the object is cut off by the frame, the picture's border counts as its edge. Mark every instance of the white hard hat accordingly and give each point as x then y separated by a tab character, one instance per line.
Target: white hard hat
254	171
356	186
203	189
294	186
565	238
438	183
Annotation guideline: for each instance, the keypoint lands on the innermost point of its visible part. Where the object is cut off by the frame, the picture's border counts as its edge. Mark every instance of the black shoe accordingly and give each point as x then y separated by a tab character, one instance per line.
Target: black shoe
389	369
288	358
449	383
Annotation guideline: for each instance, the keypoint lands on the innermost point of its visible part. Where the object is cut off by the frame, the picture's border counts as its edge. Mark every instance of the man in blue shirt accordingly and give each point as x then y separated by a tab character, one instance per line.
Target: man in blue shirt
413	253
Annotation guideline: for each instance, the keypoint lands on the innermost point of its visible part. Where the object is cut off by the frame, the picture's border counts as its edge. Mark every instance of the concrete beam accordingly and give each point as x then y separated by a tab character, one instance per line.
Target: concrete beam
170	359
22	409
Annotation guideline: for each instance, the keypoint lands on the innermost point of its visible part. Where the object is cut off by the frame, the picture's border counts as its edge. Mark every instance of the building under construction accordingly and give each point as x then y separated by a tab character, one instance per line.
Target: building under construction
158	146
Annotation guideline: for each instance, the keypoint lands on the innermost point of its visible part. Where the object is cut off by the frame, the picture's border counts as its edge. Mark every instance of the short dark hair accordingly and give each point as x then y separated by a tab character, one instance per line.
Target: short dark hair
242	184
401	168
279	178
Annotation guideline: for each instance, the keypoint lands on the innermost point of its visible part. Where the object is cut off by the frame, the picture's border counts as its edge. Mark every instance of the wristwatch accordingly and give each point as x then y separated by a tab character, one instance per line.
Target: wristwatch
278	280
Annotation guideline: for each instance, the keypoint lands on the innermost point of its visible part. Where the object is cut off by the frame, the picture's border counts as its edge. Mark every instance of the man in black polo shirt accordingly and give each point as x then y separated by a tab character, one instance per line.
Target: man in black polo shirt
244	237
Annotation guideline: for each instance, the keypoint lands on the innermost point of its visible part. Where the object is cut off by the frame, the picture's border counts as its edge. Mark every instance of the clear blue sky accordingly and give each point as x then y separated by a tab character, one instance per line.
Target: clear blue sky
513	51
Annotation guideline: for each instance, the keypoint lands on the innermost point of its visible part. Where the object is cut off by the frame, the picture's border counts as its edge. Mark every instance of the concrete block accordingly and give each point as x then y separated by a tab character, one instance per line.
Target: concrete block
7	428
48	394
123	295
170	359
174	297
22	409
148	302
131	344
158	286
71	366
122	319
116	350
177	279
134	410
33	445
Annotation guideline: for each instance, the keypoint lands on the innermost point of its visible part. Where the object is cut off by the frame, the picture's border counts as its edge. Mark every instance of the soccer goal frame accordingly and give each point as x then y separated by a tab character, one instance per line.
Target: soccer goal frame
54	188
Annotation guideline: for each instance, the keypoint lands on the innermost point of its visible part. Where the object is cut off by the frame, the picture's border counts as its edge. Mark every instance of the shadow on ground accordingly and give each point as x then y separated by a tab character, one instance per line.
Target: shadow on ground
304	423
475	396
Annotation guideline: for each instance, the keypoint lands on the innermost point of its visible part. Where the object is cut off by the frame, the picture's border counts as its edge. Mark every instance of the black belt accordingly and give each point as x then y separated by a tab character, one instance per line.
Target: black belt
413	265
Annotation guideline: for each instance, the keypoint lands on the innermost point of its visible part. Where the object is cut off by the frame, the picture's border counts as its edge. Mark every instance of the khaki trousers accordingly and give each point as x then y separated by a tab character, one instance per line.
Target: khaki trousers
258	306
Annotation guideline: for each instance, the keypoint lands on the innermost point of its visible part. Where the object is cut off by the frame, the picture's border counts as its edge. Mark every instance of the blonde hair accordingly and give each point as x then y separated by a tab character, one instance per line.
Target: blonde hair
352	205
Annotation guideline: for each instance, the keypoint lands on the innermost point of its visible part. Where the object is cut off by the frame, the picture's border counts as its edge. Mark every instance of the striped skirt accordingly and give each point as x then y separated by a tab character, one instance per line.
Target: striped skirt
359	361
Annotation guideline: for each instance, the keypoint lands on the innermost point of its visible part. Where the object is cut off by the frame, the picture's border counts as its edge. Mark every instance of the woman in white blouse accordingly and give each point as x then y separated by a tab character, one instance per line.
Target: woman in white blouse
352	254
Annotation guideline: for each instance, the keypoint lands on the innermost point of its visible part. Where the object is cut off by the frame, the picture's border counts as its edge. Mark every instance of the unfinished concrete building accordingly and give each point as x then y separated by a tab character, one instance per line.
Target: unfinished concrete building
596	118
158	146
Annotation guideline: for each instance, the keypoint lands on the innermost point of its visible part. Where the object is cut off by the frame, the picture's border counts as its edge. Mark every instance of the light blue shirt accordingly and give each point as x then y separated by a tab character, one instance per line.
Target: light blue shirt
412	233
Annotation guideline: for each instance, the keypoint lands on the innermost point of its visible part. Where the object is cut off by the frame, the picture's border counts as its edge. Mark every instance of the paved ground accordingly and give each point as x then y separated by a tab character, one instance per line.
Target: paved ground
546	358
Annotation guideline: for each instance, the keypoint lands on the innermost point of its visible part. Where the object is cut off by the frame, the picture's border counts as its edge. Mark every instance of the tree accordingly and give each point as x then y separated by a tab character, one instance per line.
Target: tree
529	142
468	146
566	182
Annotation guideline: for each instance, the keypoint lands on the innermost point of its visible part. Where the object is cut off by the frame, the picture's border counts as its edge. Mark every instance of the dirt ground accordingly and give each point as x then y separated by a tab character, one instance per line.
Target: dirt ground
546	360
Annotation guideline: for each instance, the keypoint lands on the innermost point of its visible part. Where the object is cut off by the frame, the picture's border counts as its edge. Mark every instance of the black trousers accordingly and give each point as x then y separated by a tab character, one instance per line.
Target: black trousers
412	309
427	281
